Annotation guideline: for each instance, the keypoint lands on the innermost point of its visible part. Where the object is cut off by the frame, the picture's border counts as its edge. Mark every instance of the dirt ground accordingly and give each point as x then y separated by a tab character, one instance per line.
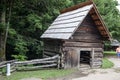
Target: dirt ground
96	74
104	74
93	74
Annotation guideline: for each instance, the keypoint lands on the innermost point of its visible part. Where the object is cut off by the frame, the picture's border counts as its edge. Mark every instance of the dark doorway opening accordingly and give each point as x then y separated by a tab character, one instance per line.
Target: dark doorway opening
85	57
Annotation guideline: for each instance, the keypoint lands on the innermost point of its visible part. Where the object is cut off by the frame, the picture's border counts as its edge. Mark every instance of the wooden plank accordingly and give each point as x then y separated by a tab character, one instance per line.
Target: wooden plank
13	70
79	44
77	11
46	56
96	59
58	62
51	51
4	62
78	21
72	18
36	67
37	60
61	27
97	63
85	40
93	53
81	33
48	53
65	25
98	49
60	30
57	36
78	58
3	66
89	37
92	57
41	62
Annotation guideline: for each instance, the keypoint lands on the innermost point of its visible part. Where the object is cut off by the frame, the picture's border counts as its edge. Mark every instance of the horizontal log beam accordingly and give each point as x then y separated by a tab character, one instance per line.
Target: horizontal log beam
37	60
36	67
49	53
3	66
79	44
45	62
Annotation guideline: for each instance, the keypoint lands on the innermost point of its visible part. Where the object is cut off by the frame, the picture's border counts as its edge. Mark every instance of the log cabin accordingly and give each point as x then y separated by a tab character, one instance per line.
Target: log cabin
78	36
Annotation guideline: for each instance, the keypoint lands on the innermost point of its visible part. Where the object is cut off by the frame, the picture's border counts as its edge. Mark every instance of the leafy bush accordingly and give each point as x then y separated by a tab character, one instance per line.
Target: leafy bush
3	70
20	57
20	48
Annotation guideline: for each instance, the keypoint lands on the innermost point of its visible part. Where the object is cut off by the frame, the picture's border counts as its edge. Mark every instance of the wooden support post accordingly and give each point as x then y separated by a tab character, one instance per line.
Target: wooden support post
78	58
92	60
8	69
58	64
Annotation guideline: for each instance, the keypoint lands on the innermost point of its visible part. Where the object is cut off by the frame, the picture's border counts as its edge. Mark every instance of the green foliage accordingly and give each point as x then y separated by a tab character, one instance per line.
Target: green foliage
78	1
34	22
3	70
28	21
20	57
21	48
111	16
107	45
109	52
35	46
106	63
2	27
30	18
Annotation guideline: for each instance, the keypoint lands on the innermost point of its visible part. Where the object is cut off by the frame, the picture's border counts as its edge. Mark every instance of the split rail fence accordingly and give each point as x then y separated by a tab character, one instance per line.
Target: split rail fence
51	62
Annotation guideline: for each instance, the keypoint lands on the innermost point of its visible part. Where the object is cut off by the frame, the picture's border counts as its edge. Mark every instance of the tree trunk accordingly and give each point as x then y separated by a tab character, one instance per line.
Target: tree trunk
5	15
2	36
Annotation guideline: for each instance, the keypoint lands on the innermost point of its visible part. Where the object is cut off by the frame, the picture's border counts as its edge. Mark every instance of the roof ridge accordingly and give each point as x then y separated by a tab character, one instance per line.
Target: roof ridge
76	7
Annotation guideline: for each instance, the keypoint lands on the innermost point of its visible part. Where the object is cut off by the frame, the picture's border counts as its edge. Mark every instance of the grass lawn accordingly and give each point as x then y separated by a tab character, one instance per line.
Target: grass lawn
52	73
109	52
106	63
43	74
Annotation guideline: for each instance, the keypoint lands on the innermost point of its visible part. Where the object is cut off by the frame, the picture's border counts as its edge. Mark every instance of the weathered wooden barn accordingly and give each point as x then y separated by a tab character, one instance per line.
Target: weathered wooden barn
78	36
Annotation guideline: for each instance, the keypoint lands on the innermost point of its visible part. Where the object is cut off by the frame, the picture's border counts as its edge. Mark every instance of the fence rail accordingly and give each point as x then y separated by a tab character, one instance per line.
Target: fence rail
31	64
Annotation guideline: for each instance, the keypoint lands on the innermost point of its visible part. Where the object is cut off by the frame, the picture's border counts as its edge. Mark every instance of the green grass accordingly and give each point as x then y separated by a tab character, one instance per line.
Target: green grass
109	52
44	74
107	64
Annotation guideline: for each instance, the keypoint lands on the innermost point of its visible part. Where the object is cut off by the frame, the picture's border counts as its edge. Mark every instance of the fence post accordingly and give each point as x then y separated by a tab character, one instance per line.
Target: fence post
58	62
8	69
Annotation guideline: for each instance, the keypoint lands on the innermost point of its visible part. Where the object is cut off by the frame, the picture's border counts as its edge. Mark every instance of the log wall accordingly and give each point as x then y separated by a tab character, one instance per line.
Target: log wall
87	38
51	47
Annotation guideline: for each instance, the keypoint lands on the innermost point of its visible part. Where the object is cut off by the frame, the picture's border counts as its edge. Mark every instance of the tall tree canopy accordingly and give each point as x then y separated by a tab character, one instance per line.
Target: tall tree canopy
25	20
29	19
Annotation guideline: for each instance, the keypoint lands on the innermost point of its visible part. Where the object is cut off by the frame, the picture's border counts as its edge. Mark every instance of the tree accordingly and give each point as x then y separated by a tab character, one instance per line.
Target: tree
111	16
5	8
22	24
29	20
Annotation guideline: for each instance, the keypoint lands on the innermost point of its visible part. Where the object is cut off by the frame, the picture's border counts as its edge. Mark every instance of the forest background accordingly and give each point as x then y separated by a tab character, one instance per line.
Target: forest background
23	21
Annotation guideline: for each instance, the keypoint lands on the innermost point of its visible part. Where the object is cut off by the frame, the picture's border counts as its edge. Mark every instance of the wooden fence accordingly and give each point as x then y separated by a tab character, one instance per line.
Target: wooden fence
31	64
3	66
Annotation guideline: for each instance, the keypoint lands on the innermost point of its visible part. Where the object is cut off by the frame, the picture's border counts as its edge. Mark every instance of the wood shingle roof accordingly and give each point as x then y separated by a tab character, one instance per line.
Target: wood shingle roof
71	18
